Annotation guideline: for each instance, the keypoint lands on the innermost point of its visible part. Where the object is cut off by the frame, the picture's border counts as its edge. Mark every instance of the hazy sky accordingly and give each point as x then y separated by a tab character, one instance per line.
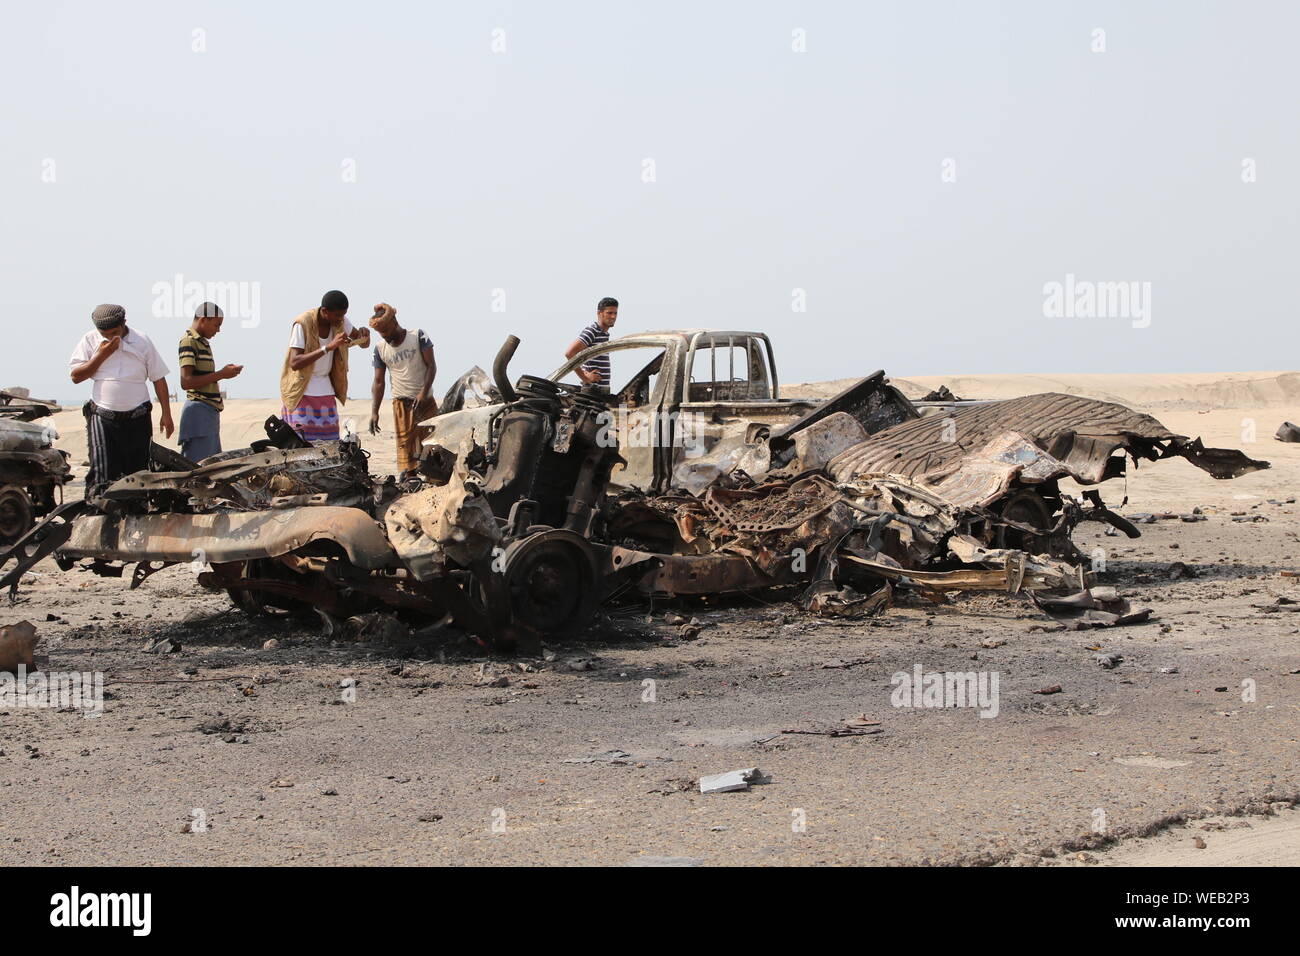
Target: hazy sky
920	170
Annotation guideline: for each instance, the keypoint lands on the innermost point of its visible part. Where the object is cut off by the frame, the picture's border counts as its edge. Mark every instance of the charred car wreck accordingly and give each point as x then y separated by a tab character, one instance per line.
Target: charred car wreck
550	498
32	471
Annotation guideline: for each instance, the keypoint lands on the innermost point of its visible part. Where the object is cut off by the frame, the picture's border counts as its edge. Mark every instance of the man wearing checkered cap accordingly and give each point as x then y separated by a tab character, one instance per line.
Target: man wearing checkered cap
122	363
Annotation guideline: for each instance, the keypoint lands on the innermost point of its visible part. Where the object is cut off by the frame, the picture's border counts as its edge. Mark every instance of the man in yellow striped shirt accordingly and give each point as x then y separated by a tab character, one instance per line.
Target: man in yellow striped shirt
200	434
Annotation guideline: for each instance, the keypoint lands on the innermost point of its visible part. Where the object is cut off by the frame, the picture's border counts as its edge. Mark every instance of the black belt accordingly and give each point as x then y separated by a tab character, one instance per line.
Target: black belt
90	408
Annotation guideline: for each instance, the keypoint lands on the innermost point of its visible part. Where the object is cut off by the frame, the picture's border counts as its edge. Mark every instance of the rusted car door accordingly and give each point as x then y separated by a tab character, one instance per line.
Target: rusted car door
638	414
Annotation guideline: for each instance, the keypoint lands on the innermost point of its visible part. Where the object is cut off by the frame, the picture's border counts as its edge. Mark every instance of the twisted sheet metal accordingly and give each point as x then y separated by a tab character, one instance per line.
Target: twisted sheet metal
1080	434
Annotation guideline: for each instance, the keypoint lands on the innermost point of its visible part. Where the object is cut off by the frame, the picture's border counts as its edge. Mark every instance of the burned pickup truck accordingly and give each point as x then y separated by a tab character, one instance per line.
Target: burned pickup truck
695	399
520	531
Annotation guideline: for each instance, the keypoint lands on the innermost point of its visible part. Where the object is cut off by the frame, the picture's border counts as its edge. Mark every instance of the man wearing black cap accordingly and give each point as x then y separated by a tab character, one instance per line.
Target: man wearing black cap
119	426
314	380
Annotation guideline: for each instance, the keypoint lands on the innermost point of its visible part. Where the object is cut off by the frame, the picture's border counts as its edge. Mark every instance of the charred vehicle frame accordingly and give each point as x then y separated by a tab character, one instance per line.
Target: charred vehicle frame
518	526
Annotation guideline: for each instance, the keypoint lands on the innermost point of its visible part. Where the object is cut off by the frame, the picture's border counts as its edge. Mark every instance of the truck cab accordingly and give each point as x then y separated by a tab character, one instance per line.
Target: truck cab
677	398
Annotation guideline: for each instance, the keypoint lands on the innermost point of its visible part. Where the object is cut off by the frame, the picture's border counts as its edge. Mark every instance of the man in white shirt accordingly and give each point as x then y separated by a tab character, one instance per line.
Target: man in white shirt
122	363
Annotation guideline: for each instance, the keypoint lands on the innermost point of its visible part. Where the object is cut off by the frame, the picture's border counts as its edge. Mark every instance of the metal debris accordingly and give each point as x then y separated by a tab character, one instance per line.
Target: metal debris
732	780
1097	607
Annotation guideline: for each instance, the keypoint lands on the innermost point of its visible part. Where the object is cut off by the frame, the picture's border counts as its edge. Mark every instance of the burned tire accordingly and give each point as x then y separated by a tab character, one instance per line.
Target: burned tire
259	603
17	514
1027	508
551	581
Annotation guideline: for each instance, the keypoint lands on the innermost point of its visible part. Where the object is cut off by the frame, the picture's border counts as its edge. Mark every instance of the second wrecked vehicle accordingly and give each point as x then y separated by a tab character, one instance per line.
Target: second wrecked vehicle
521	530
32	471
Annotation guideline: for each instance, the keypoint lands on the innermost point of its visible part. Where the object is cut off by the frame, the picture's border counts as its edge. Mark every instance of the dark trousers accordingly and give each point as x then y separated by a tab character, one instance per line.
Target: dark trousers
119	443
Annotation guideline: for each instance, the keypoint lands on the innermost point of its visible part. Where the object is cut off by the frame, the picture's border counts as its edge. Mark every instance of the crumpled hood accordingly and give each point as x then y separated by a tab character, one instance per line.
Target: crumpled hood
971	455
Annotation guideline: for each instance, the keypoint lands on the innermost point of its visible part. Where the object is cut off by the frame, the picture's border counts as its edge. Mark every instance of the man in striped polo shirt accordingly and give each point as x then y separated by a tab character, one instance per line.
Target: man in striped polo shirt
200	434
596	371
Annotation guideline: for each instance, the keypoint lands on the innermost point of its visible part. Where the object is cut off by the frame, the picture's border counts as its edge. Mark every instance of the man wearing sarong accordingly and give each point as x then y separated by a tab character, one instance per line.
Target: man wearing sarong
314	380
407	357
122	363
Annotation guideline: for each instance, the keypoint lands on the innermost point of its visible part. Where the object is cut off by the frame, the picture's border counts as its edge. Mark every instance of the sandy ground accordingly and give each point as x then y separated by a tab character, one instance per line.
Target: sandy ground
1209	841
444	755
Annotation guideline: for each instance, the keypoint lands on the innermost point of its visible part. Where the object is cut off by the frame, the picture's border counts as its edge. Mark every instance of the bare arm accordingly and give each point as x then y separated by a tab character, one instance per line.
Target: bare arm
430	371
190	381
299	360
589	377
165	420
88	368
377	399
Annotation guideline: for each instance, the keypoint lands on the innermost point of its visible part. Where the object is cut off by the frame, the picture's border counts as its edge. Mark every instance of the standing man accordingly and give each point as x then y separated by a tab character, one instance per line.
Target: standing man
119	424
596	371
314	380
408	358
200	435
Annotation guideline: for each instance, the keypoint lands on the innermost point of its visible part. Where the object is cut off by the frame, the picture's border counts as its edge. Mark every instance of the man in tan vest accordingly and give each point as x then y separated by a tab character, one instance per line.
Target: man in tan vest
314	381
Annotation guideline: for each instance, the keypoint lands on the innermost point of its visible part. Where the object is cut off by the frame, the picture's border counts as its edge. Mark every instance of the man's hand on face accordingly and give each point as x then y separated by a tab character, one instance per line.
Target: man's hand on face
165	422
374	424
110	345
340	341
230	371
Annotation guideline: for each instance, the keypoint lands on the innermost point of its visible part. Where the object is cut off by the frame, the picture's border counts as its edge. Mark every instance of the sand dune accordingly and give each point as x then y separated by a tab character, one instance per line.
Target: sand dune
1190	390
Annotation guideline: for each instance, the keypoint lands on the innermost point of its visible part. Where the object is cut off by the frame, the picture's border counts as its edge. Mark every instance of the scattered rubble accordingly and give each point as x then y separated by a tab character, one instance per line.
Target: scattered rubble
18	646
733	780
858	726
1095	607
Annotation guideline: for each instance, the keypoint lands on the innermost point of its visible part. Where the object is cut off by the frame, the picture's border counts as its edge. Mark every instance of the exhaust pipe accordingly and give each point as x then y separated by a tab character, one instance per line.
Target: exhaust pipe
499	365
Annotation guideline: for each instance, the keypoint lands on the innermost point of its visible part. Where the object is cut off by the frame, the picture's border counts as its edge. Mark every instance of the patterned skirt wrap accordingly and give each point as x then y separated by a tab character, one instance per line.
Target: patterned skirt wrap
316	418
